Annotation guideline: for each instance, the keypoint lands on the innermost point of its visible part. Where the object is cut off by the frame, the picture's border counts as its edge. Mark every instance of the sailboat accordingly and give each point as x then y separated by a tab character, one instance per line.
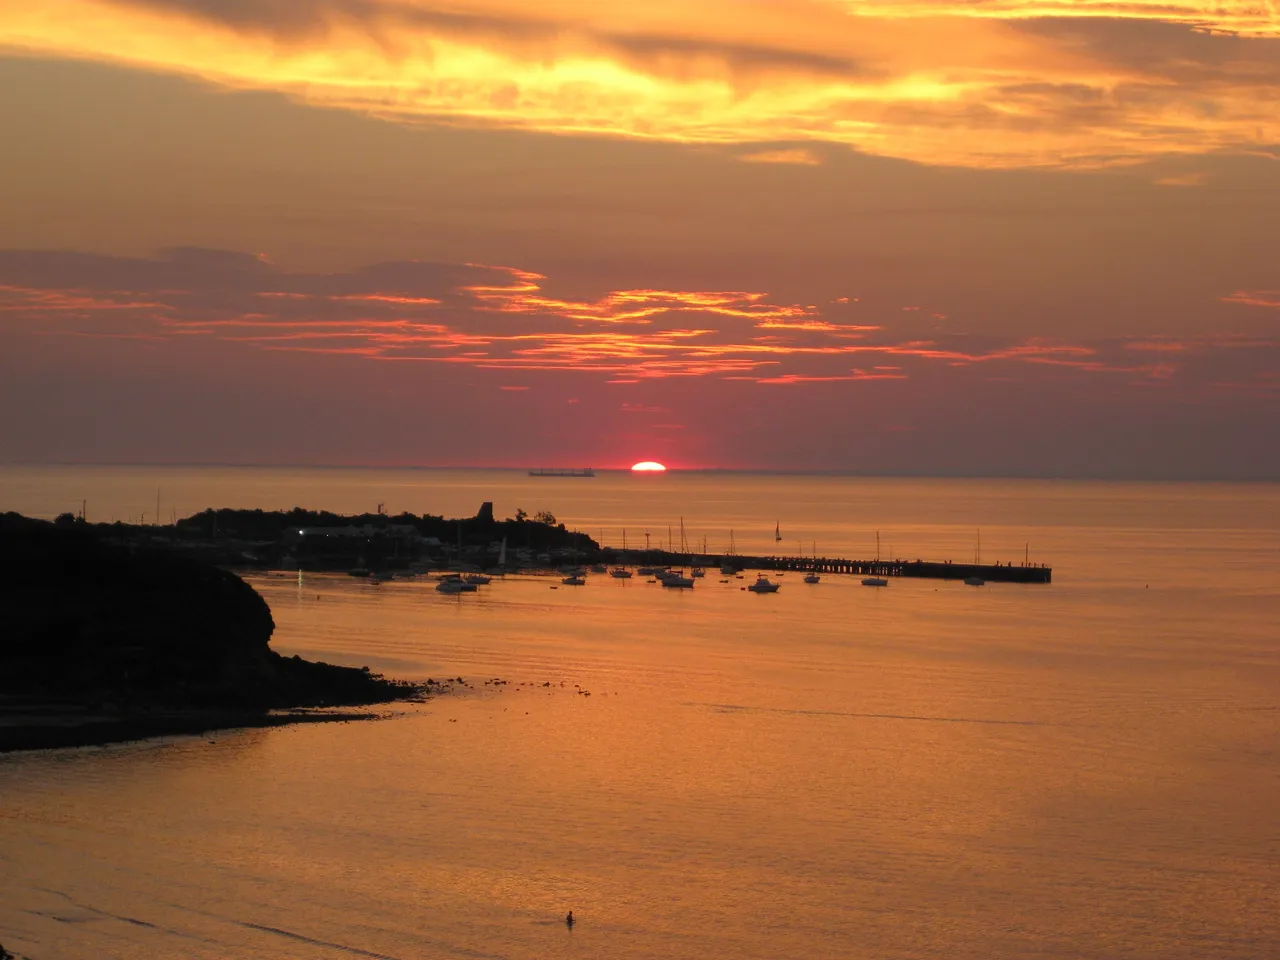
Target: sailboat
812	575
727	568
670	578
876	581
698	572
777	532
599	567
621	572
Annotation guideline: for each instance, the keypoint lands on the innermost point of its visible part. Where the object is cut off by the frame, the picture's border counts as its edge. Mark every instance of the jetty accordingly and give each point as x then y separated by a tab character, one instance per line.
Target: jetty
922	569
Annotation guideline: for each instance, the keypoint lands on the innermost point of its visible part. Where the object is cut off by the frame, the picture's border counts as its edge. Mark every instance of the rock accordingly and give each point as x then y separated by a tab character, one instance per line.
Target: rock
86	621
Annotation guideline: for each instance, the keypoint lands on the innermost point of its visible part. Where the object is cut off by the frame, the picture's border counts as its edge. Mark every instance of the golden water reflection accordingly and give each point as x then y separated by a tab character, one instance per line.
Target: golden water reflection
930	770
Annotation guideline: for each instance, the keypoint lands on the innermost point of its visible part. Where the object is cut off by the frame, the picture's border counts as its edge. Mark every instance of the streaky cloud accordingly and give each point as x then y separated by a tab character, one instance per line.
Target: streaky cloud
500	320
998	84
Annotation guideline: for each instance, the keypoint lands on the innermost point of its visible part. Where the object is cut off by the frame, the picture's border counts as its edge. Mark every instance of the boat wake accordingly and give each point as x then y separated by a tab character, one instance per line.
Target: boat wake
743	708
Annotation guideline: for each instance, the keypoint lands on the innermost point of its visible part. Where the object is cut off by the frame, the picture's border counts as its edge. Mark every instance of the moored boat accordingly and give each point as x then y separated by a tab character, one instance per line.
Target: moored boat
455	584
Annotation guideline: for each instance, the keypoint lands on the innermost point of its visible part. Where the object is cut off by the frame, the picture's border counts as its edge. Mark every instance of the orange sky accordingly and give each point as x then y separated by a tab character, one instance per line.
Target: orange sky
899	236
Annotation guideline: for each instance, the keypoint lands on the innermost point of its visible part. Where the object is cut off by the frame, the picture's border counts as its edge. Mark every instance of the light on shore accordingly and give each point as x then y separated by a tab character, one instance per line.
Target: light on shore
648	466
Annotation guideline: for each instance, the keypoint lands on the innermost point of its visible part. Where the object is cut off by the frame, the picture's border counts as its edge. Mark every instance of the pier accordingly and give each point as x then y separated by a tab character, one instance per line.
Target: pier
922	569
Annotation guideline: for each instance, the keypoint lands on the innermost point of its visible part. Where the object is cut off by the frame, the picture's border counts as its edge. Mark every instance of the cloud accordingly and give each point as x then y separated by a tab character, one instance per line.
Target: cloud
795	156
1183	180
643	408
1237	17
981	83
501	321
878	373
1255	298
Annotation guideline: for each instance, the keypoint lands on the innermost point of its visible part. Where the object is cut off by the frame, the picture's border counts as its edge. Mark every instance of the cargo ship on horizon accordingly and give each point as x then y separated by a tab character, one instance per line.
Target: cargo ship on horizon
562	472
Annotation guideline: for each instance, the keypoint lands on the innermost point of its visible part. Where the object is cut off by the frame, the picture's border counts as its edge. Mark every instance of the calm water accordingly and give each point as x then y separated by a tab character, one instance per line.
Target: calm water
1088	769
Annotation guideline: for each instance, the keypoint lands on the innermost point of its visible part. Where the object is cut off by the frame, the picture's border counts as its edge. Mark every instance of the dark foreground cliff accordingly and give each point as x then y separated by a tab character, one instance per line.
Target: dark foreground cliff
100	642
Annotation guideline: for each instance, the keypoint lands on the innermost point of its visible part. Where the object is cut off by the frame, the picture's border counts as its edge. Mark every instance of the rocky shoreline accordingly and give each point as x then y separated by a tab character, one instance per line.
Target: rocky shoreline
102	643
52	727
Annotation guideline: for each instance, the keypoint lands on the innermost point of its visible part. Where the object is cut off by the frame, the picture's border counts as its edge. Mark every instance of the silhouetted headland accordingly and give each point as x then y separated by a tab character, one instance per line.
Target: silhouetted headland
102	641
378	544
323	541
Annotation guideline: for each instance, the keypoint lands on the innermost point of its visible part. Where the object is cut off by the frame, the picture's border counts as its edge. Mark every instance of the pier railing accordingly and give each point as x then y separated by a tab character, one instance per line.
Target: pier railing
925	569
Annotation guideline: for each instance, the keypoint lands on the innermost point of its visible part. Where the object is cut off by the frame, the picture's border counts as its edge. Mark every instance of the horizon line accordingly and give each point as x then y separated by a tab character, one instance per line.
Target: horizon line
759	471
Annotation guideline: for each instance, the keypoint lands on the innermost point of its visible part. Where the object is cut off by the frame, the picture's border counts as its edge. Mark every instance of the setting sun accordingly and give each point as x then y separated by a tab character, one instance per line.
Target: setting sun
648	466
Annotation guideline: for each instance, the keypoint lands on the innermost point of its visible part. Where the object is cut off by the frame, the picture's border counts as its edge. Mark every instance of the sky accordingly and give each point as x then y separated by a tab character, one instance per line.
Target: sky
916	237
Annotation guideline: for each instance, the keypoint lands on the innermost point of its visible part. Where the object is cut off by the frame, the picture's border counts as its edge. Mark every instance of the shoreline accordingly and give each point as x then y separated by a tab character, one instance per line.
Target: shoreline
62	726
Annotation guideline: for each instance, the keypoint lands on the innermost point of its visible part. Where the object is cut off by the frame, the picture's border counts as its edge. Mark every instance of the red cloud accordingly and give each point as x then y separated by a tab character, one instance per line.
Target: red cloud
1255	298
499	318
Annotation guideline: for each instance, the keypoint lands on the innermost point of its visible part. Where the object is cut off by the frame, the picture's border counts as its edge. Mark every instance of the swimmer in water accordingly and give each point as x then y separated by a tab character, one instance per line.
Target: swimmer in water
568	921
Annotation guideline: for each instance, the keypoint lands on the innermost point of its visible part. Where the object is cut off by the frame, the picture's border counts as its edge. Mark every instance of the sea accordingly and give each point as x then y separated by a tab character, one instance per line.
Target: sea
1083	769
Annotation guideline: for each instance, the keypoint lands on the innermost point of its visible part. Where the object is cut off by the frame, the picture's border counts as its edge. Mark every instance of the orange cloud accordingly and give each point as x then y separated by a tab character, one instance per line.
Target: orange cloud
499	319
1183	180
982	83
1236	17
796	157
630	306
878	373
14	299
1255	298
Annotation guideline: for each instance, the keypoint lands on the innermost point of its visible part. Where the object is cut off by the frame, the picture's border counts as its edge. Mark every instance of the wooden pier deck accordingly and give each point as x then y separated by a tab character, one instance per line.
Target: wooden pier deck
925	569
